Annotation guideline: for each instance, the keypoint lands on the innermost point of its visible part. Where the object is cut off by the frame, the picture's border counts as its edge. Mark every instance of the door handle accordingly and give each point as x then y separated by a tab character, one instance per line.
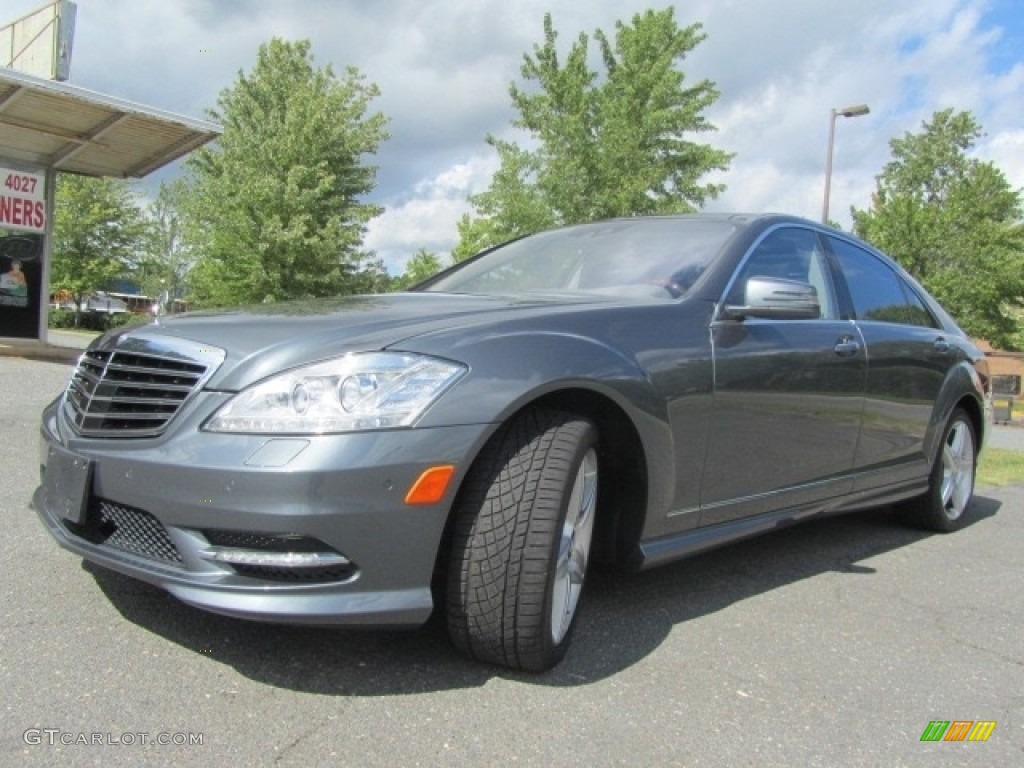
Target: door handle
941	346
847	346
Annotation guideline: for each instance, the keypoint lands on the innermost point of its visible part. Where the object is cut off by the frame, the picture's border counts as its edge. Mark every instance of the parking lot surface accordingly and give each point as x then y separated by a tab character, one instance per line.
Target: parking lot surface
833	643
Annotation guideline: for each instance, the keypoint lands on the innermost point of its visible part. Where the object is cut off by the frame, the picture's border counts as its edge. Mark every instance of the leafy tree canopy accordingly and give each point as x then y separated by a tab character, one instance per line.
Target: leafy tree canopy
954	222
619	142
98	235
422	265
277	211
167	256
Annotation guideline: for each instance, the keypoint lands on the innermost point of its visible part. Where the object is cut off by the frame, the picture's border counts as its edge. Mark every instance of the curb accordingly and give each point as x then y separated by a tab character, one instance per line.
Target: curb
43	352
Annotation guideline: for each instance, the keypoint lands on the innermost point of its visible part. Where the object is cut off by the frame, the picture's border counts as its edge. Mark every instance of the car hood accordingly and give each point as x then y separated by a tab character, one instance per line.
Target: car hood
262	340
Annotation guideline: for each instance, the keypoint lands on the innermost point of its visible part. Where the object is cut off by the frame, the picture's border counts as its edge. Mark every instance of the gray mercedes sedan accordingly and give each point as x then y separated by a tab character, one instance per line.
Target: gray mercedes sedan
625	392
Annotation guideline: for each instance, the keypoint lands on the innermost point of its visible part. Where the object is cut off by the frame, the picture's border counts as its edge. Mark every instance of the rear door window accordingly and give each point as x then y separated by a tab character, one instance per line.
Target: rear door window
877	291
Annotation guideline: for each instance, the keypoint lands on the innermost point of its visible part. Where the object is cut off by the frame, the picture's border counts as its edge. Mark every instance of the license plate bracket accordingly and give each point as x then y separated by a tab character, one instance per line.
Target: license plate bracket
67	480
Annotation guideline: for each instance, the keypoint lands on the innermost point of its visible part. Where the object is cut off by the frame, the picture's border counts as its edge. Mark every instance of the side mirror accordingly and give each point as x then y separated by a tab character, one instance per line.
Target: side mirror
776	298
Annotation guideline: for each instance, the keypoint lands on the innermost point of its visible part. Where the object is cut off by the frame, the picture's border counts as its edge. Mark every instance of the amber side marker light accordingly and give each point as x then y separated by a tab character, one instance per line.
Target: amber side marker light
430	486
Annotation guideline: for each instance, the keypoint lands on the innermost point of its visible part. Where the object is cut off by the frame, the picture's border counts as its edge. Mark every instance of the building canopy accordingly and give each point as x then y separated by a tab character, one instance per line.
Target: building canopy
55	125
46	127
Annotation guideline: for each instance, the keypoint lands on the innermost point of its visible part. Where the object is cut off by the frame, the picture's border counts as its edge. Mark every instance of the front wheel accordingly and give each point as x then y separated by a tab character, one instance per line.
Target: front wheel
524	522
951	484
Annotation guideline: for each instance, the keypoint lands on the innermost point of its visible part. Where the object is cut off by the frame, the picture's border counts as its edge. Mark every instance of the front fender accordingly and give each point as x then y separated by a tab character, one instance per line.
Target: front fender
510	371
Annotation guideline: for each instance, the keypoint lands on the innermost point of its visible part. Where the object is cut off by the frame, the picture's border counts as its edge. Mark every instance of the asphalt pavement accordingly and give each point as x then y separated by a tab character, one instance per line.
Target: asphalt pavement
834	643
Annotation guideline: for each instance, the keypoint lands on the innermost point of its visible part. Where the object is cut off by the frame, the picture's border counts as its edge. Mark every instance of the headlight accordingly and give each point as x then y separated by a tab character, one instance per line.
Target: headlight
375	390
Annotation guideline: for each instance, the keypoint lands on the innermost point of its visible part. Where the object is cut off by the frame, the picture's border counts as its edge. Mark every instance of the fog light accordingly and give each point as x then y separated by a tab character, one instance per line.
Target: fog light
233	556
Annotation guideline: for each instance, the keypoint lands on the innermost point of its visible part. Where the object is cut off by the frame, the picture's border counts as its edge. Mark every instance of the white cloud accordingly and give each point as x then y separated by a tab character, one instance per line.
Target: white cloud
427	218
1006	151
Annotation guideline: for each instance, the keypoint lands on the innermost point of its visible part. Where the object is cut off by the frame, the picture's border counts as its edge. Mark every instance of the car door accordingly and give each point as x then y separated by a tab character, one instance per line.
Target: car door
788	393
909	355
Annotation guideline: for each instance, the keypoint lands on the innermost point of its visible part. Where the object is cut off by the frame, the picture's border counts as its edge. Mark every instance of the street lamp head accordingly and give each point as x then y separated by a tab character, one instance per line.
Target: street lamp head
854	111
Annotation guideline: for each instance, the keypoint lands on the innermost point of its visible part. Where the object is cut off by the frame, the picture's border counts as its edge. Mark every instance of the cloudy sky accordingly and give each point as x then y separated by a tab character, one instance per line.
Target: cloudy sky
444	67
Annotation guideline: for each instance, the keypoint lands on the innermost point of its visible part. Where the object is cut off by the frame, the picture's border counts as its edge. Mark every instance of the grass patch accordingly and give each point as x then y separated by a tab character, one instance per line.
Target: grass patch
1001	467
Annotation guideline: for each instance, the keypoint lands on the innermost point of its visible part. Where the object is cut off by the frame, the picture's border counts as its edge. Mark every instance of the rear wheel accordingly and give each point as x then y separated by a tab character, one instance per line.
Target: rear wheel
523	528
951	484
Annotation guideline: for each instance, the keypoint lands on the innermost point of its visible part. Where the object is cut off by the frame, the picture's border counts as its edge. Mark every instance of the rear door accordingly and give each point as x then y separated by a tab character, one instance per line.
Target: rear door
909	355
788	394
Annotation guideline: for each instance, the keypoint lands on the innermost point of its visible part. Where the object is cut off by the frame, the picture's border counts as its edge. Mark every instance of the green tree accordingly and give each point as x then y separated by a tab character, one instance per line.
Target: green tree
168	256
277	211
422	265
615	143
954	222
98	234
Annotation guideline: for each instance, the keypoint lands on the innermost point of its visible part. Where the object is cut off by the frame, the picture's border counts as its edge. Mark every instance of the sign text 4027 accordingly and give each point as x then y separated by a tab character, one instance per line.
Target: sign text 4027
21	183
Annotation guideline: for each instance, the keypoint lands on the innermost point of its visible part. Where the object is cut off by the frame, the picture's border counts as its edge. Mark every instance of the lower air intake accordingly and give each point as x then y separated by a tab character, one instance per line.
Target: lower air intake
126	528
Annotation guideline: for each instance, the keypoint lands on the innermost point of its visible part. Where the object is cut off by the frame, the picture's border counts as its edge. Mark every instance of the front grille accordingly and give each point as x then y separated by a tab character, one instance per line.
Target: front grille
135	391
128	529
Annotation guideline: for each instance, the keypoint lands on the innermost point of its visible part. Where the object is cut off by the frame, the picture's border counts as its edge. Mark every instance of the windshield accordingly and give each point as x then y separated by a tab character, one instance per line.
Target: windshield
658	258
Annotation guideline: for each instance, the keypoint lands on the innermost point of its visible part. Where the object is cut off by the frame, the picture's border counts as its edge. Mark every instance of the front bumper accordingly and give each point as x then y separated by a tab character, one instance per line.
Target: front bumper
155	510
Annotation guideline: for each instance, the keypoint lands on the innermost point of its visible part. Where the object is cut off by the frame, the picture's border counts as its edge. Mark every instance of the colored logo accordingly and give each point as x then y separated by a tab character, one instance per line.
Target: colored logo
958	730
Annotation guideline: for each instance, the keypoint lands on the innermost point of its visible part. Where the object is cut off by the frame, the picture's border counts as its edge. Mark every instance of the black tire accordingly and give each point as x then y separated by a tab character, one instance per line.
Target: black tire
944	506
521	540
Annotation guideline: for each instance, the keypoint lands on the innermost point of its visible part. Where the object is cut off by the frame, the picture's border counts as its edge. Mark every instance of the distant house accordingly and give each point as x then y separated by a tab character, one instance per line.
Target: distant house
100	302
115	302
1006	368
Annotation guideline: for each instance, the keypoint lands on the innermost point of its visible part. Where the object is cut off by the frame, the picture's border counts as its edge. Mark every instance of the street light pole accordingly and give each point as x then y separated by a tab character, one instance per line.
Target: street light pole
854	111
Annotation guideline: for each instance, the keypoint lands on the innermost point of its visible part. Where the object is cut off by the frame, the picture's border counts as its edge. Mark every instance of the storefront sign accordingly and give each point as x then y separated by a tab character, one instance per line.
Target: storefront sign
22	200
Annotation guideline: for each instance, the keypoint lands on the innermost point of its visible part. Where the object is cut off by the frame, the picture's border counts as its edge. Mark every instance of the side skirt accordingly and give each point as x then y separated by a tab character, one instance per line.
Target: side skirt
665	549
